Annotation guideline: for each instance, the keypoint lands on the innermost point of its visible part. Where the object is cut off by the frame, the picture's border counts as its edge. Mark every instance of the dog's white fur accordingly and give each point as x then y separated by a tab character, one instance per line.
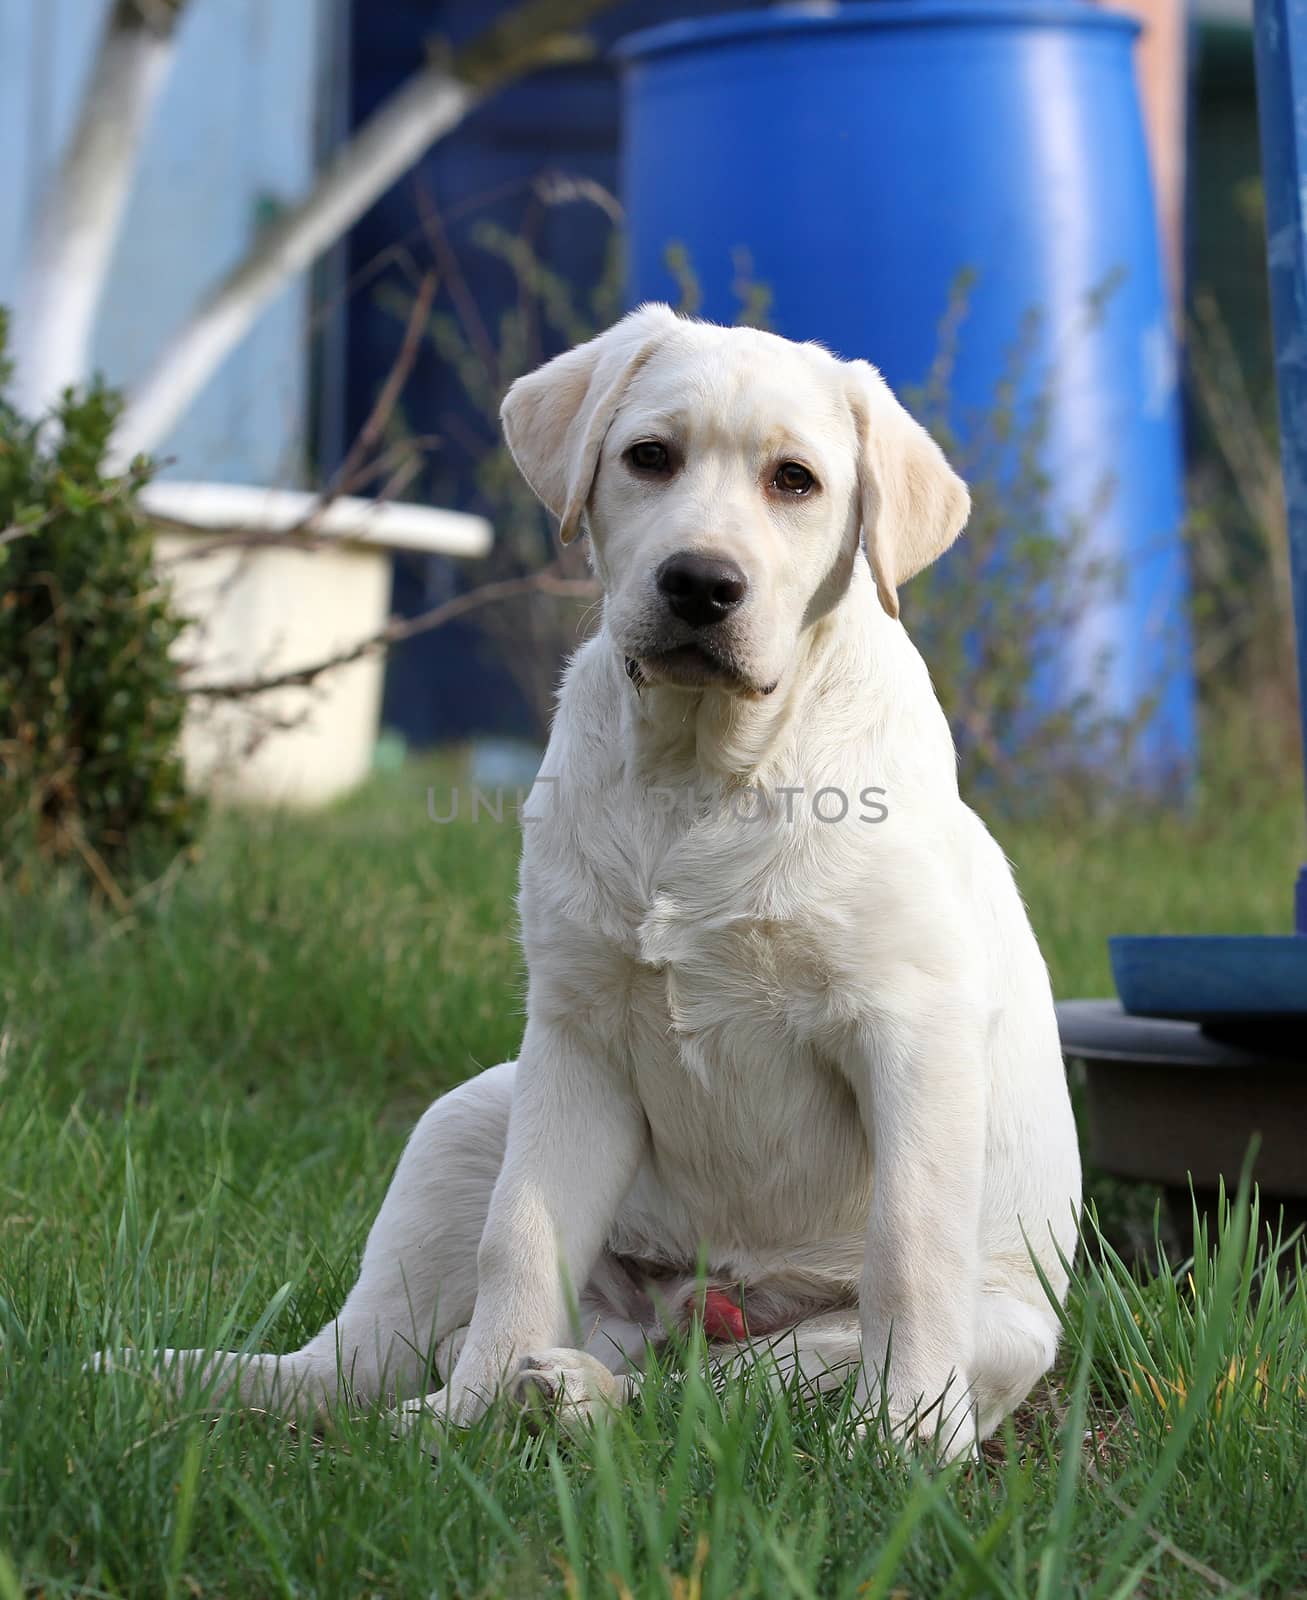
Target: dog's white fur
818	1056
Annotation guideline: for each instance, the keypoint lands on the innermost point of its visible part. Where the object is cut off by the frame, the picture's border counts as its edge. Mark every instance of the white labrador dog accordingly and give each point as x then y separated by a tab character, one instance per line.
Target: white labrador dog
786	1015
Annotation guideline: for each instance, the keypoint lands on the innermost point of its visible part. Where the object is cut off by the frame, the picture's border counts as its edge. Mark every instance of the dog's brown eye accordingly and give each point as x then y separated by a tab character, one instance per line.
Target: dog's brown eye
792	478
649	456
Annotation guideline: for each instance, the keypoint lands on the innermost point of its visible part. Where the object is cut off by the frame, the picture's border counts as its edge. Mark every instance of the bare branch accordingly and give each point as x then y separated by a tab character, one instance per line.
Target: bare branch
73	834
530	35
388	398
545	582
396	465
159	17
23	530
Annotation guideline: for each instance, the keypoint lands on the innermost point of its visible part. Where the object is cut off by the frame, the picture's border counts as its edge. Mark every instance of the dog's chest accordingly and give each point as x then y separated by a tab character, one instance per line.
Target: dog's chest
674	917
711	985
752	1127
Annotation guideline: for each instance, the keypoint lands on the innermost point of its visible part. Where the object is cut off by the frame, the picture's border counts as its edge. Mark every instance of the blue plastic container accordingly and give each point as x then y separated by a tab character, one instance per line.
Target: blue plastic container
865	157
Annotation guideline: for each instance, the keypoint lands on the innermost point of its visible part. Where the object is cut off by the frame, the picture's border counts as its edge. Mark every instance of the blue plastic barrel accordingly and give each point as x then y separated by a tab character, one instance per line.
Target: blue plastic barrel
865	156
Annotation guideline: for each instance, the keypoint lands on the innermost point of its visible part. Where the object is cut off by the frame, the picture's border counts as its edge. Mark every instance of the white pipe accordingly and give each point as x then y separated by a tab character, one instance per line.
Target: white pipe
427	107
77	225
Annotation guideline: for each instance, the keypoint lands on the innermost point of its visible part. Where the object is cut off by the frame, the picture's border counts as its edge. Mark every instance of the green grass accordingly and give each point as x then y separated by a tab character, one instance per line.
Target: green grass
199	1109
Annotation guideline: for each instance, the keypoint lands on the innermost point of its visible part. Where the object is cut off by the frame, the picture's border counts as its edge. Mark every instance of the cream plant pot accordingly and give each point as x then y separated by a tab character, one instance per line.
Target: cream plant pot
258	610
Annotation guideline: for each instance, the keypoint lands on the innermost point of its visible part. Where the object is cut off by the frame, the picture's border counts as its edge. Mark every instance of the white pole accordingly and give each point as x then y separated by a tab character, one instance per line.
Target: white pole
77	225
422	111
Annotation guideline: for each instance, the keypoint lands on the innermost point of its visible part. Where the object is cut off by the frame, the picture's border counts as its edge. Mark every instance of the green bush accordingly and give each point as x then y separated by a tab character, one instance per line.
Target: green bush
91	705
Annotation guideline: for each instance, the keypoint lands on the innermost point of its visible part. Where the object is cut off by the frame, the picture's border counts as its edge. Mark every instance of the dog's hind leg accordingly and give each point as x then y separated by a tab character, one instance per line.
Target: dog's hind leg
1015	1345
820	1353
582	1385
823	1353
417	1281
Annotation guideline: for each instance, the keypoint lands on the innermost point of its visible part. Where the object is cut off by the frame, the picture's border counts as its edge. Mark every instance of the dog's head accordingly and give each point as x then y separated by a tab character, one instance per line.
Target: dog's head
725	475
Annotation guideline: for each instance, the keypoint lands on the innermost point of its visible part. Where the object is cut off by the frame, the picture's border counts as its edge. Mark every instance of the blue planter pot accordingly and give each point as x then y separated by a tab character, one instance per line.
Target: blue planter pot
866	158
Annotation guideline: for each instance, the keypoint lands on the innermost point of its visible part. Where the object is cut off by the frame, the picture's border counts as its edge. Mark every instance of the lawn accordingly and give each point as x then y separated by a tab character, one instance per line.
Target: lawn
199	1109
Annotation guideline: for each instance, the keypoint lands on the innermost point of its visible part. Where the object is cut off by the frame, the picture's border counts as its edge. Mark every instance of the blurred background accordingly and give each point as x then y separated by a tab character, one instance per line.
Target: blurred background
195	212
274	603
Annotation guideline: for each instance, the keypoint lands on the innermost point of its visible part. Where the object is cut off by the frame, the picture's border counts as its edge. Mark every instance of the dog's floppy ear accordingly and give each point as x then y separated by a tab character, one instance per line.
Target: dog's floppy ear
556	417
913	504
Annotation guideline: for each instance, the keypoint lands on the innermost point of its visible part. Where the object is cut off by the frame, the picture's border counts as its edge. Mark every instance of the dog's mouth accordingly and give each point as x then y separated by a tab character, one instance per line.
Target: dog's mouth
691	666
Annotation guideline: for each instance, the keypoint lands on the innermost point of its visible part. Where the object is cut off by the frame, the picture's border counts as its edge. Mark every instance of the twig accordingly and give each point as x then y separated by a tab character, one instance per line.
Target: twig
23	530
388	398
354	470
395	460
562	188
99	871
128	485
395	632
464	300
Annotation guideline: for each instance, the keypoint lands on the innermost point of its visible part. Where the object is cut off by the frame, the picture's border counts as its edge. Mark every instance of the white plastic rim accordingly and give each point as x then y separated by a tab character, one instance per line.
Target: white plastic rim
395	525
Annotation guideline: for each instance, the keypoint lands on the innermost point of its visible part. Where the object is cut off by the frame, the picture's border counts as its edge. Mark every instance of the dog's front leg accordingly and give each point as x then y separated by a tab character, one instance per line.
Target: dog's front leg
920	1081
575	1137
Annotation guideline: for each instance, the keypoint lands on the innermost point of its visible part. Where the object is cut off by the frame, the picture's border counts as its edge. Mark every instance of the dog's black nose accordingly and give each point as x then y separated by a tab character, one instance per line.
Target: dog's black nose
701	590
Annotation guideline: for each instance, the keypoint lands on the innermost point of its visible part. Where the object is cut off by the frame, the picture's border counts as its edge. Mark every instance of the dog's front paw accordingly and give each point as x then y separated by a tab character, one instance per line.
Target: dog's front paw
432	1416
568	1385
454	1406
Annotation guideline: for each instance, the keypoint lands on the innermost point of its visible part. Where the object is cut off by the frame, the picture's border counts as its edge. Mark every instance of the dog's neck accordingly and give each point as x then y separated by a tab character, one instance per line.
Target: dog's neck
734	737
